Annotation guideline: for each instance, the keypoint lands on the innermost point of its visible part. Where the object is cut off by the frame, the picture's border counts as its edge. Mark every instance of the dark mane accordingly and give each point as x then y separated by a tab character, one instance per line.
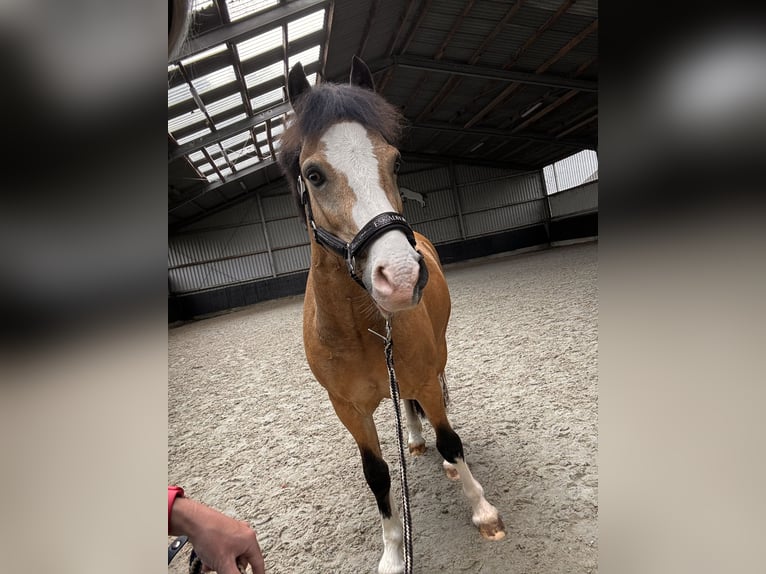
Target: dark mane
326	104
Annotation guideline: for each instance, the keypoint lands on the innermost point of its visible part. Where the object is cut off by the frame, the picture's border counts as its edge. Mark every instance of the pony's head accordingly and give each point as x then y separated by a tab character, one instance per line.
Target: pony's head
341	149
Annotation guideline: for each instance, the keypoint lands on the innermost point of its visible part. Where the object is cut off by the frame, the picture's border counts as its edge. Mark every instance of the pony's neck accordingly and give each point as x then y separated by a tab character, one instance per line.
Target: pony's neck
340	302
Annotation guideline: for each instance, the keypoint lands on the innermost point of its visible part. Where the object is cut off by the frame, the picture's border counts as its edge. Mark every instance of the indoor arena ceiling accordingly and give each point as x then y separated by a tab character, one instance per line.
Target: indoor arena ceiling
497	83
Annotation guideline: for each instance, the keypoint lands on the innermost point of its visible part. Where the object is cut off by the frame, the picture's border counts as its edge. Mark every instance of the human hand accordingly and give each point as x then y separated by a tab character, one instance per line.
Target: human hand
219	541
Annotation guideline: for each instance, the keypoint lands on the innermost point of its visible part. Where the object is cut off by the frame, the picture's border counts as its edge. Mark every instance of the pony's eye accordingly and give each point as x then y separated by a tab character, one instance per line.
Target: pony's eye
397	165
315	176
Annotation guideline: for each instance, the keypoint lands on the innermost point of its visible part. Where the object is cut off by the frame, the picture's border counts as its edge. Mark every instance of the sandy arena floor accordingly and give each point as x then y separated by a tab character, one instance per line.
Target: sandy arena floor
251	433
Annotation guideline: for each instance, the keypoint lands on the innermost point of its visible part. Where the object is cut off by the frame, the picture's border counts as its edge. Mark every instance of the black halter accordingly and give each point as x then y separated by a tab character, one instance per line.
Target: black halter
377	225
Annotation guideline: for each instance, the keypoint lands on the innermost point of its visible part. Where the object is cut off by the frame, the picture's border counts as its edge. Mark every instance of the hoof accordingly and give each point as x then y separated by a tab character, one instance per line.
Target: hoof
450	471
417	449
493	530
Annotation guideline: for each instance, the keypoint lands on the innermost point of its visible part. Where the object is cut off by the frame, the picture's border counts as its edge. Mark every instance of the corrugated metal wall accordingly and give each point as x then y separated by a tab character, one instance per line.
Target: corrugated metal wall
461	202
582	199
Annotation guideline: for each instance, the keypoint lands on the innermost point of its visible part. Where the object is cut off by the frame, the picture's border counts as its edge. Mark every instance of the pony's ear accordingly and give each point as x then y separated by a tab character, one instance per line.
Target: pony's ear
361	75
297	83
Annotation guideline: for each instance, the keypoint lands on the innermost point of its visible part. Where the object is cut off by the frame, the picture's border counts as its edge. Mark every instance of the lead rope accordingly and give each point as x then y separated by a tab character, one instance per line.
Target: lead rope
407	517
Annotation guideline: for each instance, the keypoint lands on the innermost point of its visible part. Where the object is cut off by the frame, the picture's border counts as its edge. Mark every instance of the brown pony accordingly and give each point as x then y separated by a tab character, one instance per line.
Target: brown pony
367	266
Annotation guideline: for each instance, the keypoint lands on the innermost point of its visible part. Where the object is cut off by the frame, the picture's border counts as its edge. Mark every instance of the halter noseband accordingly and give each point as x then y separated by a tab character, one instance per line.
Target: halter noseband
379	224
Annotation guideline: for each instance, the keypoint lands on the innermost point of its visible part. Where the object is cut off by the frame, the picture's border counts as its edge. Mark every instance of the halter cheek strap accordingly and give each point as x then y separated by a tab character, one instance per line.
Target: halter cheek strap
379	224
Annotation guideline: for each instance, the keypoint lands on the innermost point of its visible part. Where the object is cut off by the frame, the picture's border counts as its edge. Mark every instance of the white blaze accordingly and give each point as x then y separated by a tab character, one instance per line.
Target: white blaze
350	151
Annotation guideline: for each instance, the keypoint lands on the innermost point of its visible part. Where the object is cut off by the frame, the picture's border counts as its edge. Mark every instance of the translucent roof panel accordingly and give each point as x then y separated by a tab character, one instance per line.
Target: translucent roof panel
266	99
226	103
179	94
260	44
252	160
276	130
265	74
201	5
193	136
235	140
186	120
225	94
230	121
306	57
214	80
305	26
239	9
242	155
206	54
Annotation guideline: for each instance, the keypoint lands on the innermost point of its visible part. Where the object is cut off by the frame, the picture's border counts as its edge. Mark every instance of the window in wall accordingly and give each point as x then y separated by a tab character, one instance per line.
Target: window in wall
572	171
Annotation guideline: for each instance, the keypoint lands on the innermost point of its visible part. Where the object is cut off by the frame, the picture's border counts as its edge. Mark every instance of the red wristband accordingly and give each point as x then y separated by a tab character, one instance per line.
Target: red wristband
173	492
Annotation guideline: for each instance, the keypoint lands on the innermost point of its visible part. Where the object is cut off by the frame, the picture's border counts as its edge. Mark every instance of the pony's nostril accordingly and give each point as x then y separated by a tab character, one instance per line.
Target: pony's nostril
382	281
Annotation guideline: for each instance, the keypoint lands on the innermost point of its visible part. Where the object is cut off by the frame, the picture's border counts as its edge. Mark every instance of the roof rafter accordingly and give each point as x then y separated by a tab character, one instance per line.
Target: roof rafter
592	27
454	82
471	71
541	138
400	27
207	188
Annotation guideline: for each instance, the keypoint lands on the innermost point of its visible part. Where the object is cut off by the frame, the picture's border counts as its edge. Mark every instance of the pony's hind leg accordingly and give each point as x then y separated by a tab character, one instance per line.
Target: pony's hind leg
415	440
362	428
485	516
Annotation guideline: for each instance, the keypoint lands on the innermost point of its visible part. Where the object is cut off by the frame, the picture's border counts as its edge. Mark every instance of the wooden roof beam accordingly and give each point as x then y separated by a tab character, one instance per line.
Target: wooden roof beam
452	83
592	27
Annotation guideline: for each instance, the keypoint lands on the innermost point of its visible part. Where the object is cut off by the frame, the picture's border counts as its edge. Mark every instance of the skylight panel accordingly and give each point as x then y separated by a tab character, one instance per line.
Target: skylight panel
230	121
268	98
179	94
205	168
201	5
219	160
206	54
276	130
305	26
235	140
252	160
214	151
265	74
226	103
186	120
259	44
306	57
239	9
193	136
196	156
214	80
243	156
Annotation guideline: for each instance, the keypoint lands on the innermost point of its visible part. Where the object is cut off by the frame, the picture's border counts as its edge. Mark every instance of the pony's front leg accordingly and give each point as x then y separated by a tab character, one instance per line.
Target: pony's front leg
485	516
362	428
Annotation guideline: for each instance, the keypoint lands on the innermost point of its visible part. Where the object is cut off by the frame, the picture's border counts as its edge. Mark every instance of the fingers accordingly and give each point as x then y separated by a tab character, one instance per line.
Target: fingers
254	557
228	567
256	563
